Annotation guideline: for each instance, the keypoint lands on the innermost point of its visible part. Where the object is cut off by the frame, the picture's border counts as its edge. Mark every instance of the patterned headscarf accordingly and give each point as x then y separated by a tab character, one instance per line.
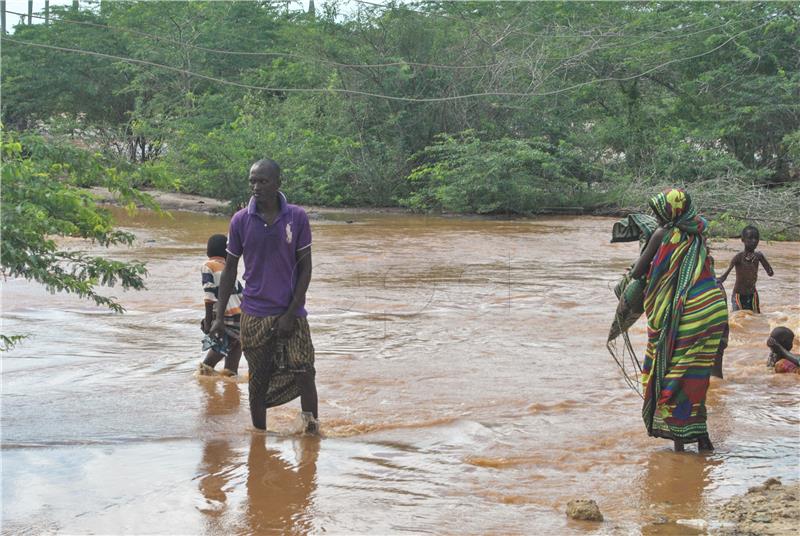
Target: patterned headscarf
674	207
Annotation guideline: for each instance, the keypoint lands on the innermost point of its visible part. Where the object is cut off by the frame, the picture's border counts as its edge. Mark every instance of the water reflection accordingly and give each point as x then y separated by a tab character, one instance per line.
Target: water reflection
218	462
221	396
672	489
279	492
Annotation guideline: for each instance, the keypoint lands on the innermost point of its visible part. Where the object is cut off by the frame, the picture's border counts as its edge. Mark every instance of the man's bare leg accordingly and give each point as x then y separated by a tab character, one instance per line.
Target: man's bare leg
258	385
308	392
258	412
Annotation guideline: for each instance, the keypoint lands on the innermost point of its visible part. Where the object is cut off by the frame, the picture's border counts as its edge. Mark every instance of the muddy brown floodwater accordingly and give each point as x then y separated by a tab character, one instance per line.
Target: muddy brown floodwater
464	386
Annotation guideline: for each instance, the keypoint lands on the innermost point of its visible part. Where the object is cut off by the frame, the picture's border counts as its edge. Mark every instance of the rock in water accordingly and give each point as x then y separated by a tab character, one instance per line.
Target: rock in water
699	524
584	509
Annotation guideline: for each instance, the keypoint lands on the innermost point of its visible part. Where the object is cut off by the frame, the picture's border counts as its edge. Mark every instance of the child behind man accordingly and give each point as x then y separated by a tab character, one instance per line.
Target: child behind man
745	295
781	359
229	346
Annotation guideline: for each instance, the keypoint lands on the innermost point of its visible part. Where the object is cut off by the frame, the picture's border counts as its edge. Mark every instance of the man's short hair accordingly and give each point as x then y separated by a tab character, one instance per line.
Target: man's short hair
268	164
750	228
216	246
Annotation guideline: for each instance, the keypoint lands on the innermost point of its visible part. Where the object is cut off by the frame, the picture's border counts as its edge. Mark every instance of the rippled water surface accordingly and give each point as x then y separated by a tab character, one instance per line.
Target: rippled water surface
464	388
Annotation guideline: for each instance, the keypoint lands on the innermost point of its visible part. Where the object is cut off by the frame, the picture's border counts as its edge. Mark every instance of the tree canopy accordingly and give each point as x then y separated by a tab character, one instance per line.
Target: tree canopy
429	105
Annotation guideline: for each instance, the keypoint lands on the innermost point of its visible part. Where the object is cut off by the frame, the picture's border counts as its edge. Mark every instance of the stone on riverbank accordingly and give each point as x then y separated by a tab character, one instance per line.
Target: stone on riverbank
584	509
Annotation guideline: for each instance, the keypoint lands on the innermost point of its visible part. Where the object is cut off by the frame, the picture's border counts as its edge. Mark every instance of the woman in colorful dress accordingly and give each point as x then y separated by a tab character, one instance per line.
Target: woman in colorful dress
686	317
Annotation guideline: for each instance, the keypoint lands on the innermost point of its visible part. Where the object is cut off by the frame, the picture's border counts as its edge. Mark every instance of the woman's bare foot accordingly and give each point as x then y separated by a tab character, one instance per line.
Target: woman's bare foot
678	445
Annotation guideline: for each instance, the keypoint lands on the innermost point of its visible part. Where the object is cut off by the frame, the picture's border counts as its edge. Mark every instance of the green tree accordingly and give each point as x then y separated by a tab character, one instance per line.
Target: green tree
40	203
467	174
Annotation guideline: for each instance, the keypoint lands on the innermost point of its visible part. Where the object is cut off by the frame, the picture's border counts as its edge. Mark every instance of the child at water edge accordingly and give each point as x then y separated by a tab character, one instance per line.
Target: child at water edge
228	346
745	295
781	359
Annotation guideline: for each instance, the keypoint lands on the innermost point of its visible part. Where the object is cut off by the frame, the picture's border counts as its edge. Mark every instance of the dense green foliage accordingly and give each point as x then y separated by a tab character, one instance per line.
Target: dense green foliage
493	107
467	174
42	201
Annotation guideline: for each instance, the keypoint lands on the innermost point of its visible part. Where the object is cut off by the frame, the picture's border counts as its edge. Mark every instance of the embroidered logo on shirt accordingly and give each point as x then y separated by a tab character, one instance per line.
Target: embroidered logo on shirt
289	233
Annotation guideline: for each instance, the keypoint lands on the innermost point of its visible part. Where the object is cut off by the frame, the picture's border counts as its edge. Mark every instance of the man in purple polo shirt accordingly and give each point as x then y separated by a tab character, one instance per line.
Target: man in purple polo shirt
274	238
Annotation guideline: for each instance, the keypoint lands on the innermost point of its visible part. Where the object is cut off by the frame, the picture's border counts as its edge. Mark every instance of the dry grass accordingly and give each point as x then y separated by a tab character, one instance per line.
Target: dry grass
729	205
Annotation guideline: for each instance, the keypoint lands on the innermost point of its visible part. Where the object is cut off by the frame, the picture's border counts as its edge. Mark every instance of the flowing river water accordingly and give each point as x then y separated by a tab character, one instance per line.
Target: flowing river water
464	387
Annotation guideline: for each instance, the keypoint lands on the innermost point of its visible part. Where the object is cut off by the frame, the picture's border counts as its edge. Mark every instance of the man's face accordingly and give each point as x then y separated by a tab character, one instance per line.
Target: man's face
750	240
264	183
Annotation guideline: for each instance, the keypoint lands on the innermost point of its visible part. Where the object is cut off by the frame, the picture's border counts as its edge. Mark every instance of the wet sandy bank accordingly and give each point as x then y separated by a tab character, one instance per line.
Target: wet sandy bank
769	509
210	205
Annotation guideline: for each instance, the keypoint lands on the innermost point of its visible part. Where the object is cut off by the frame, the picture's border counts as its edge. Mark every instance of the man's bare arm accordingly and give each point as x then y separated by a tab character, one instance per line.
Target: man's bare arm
226	284
303	260
286	322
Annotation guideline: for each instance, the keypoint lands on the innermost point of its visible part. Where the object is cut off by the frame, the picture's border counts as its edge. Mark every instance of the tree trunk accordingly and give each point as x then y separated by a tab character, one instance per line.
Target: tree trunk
30	12
3	15
46	12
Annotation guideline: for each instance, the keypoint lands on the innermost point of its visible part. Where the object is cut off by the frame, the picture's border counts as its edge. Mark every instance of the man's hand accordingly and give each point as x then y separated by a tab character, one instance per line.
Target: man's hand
285	326
205	327
217	328
722	278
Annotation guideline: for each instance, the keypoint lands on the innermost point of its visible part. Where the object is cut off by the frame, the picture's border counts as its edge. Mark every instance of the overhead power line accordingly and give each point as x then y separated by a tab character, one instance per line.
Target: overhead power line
379	95
163	39
584	35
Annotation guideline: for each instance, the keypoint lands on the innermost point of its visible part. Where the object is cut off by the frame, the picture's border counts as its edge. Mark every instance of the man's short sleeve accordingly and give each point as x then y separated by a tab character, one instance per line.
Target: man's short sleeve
235	235
304	231
210	290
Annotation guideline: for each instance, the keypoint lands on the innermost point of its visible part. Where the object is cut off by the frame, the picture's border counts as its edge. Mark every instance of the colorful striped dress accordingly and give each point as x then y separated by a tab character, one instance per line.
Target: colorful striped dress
686	317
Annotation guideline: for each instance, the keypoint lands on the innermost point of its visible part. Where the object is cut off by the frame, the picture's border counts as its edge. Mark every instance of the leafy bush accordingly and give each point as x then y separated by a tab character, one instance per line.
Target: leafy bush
522	176
317	164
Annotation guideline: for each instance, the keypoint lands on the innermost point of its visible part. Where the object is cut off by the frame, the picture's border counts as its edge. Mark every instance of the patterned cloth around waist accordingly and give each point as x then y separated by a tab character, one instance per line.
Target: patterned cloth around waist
746	302
272	362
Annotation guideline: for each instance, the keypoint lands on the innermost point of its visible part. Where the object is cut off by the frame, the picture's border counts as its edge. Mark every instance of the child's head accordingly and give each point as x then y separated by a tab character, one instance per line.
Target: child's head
784	336
216	246
750	237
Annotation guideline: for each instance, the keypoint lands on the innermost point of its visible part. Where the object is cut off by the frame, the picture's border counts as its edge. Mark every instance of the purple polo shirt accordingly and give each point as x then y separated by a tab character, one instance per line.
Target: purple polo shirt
269	256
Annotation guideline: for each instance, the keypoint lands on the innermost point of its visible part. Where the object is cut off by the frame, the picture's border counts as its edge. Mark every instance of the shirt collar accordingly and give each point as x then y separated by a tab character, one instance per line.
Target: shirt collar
284	204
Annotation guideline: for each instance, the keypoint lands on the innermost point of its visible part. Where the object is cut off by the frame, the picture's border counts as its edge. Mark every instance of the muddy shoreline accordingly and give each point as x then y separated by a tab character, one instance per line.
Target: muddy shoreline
769	509
210	205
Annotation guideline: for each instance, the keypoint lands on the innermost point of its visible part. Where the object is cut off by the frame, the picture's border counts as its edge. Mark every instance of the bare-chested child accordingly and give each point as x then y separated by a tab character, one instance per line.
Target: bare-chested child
781	358
745	295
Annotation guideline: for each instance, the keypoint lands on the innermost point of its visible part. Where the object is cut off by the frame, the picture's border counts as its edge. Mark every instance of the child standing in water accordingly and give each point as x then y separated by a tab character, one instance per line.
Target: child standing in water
781	359
228	346
745	295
